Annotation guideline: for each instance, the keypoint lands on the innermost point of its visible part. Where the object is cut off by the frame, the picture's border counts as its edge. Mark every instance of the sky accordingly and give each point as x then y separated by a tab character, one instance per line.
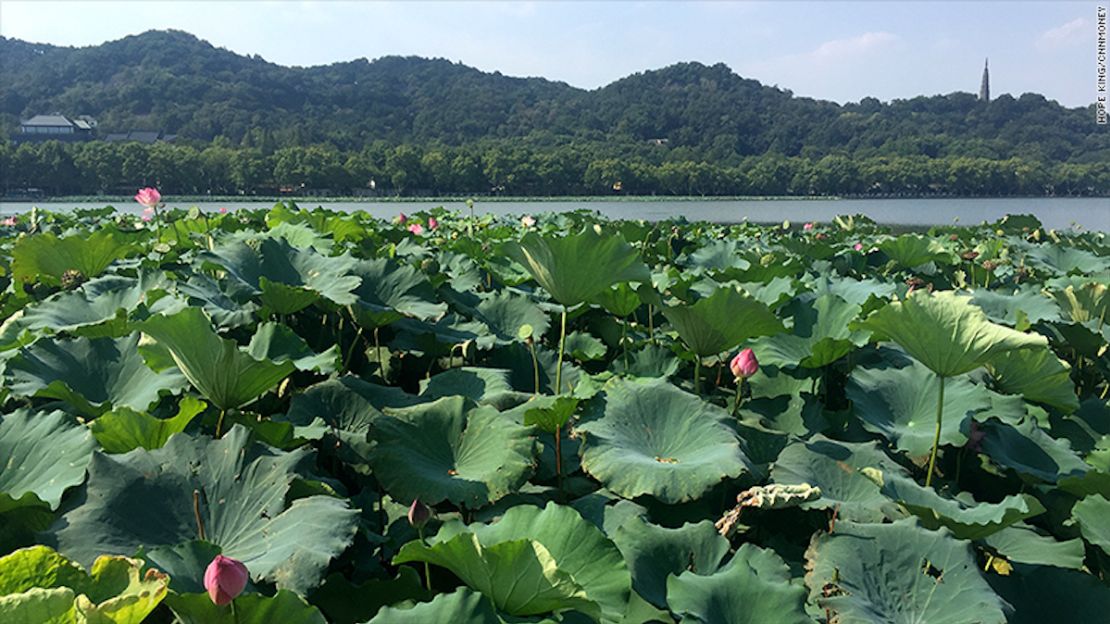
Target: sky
841	51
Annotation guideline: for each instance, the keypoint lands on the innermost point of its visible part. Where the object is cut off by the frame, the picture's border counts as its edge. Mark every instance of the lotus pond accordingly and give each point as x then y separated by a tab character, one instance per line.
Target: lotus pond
926	437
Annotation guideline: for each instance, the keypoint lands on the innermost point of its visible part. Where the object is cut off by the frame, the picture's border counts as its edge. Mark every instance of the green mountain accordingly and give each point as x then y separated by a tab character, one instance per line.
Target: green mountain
176	83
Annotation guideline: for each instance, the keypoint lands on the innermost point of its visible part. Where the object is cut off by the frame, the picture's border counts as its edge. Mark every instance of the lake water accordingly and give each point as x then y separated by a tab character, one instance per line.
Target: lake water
1056	213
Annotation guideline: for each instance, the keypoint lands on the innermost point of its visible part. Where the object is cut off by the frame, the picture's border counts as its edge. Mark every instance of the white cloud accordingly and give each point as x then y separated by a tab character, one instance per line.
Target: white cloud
1065	34
840	49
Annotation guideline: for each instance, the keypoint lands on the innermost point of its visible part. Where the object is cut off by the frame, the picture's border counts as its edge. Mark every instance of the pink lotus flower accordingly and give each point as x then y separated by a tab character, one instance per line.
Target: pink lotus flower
149	197
416	228
145	218
744	365
807	227
401	219
223	210
858	247
225	579
528	221
10	221
432	223
419	514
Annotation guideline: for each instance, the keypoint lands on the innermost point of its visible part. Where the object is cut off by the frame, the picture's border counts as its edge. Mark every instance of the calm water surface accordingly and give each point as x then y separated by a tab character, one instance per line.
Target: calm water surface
1057	213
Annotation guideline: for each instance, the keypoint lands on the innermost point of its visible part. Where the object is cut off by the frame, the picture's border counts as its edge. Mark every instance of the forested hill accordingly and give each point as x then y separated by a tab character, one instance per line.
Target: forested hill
175	83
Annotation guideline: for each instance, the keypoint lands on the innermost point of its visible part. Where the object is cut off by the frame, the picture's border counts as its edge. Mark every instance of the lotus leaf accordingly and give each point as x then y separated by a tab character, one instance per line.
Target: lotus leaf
722	321
577	267
654	552
652	438
459	607
945	332
1022	544
1036	374
519	576
145	499
92	375
39	585
41	455
284	607
898	573
46	258
752	588
819	337
900	405
219	369
1092	514
123	429
389	291
1047	595
448	450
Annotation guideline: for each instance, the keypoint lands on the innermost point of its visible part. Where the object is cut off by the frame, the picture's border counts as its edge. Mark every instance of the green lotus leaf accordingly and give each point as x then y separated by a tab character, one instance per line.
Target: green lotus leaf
390	291
965	518
1085	303
835	468
1047	595
185	563
584	347
945	332
519	576
901	405
343	227
284	607
505	313
99	308
550	414
1092	514
41	455
344	602
1036	374
854	291
1021	543
122	429
223	373
446	450
578	267
462	606
1030	451
36	583
145	499
484	386
284	299
517	359
911	250
1028	305
620	300
578	548
722	321
91	374
45	258
652	438
278	343
752	588
232	308
279	263
1064	259
898	573
654	552
819	337
718	256
648	361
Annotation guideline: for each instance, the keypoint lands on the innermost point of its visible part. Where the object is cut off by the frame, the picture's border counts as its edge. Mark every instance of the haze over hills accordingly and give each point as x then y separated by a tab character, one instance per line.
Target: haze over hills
174	82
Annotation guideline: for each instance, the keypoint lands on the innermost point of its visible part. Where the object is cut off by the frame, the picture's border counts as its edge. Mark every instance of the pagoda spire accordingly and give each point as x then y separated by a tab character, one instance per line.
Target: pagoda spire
985	86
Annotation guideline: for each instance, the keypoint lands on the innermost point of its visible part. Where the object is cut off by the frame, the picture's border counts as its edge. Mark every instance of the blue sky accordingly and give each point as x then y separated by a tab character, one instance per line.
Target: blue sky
841	51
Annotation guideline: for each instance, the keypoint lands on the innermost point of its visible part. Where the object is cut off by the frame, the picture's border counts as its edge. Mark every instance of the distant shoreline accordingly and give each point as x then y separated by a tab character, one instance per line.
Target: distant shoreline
311	199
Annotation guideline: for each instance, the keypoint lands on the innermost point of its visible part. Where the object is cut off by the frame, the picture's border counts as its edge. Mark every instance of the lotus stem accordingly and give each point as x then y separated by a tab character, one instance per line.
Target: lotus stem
624	342
697	375
559	458
651	323
535	368
427	570
220	423
936	436
196	515
562	345
739	398
378	354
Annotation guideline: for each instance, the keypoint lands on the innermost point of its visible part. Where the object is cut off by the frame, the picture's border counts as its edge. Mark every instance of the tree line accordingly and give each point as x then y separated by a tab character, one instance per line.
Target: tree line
508	168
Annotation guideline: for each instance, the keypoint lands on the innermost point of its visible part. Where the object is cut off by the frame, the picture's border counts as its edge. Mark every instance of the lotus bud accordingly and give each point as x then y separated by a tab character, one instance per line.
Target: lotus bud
432	223
148	197
10	221
858	247
528	221
416	228
401	219
223	209
807	227
225	579
419	514
744	365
